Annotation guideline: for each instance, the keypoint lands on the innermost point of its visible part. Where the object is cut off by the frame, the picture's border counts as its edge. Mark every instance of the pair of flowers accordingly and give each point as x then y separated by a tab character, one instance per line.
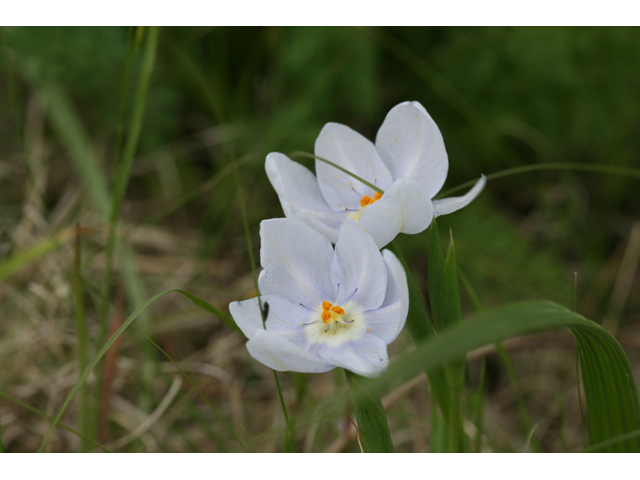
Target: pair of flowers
341	306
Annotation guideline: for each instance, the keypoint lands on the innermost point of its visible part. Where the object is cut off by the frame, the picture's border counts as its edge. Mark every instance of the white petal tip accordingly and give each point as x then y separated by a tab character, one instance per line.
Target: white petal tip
446	206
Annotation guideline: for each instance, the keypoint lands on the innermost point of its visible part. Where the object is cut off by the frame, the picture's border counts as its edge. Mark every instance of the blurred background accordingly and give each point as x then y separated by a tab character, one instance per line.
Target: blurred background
219	100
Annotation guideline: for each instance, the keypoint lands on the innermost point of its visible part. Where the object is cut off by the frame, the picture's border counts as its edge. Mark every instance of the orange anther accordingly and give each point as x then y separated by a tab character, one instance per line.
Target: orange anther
326	315
377	196
338	310
364	201
326	305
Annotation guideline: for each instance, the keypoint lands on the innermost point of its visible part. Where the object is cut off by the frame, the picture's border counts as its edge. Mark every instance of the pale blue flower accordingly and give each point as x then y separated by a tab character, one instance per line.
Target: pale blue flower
408	162
327	307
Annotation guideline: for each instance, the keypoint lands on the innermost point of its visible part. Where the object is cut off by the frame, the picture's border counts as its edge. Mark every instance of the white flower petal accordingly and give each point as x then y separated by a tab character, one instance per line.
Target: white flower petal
450	205
388	321
358	268
296	261
298	191
283	317
411	146
350	150
325	230
247	316
366	356
280	354
404	207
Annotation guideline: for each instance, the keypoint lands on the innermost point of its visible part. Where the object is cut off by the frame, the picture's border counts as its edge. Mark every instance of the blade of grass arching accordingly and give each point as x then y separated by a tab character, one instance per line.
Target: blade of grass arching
328	162
81	334
44	415
610	382
289	442
606	169
450	312
372	419
613	408
523	412
101	353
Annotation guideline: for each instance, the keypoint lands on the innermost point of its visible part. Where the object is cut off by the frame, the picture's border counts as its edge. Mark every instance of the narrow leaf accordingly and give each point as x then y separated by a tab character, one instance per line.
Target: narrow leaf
613	408
372	419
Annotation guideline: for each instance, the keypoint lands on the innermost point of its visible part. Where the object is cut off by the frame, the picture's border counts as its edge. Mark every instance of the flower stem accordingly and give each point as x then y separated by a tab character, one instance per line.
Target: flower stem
328	162
289	446
608	169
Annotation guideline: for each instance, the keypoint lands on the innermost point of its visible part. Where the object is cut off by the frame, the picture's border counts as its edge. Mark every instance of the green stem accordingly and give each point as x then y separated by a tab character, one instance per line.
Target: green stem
123	168
373	429
630	172
328	162
245	222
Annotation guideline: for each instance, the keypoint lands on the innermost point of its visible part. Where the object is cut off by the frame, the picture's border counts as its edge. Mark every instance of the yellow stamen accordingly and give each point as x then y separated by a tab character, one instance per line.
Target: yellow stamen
326	305
367	200
338	310
326	316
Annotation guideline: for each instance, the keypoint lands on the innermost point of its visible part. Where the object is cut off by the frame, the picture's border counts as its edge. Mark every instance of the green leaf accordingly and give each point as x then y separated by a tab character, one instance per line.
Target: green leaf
613	408
450	314
372	419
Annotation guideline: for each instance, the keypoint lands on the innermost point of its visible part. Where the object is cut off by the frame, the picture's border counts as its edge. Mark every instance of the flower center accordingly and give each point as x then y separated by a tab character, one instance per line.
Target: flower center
367	200
364	203
333	315
332	325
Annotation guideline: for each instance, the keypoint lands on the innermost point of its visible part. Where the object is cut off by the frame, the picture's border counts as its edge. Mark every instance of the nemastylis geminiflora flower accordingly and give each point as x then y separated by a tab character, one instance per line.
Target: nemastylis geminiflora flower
408	162
327	307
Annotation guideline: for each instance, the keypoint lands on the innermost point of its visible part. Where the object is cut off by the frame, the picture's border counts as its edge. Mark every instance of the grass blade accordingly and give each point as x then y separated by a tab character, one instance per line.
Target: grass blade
450	314
613	408
606	169
372	419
